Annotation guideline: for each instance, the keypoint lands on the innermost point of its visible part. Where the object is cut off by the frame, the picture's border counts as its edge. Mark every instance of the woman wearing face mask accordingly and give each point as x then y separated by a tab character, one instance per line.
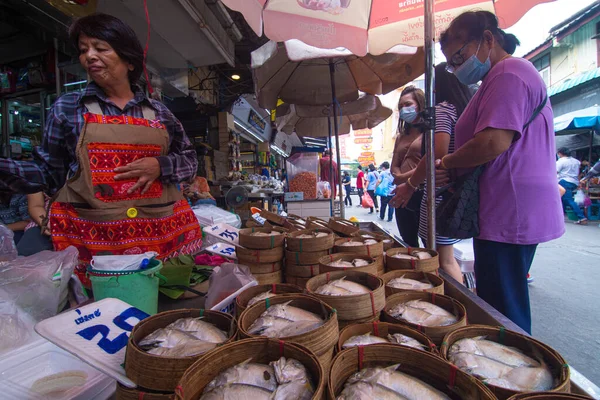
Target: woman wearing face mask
407	154
451	98
508	127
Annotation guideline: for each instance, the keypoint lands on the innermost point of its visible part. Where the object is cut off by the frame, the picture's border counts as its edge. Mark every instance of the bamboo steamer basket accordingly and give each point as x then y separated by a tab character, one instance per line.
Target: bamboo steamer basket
371	250
241	302
345	324
419	364
162	373
436	281
354	307
383	329
293	243
388	242
262	242
272	217
259	256
269	278
435	333
264	268
370	268
430	265
320	341
296	280
379	261
295	223
527	344
304	257
259	350
125	393
548	396
302	271
342	226
315	222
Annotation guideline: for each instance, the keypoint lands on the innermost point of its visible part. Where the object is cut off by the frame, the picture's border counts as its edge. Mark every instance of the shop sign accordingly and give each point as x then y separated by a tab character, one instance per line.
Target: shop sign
367	154
363	140
366	147
362	132
256	120
222	249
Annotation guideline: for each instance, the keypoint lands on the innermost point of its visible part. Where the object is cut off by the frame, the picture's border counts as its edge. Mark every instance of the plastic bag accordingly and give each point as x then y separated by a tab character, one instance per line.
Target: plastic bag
121	262
226	280
210	215
579	197
38	284
8	250
16	327
367	201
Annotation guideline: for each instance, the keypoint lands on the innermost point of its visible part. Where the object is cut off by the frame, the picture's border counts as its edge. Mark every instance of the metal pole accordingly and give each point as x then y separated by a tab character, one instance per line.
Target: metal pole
337	135
331	180
429	133
591	146
56	70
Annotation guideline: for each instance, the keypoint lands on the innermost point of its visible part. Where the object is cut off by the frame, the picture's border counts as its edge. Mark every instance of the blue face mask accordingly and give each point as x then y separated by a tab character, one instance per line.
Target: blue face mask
473	70
409	114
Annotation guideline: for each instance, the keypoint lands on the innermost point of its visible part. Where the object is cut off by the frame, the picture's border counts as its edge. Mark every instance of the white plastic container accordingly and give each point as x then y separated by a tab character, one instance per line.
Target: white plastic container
227	305
463	252
21	367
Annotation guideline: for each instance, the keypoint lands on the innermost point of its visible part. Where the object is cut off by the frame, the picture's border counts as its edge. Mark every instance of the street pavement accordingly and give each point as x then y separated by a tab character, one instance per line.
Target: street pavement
565	294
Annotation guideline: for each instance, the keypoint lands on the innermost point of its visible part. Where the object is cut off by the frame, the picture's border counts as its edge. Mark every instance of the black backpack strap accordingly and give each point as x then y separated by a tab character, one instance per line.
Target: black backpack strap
536	112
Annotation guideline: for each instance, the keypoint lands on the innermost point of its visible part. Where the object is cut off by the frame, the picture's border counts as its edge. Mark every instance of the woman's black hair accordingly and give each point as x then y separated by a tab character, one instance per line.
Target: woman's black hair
346	173
449	89
385	165
117	34
371	167
470	25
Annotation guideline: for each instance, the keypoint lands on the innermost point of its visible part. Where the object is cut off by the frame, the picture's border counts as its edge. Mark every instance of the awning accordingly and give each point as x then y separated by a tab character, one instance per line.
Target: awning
579	121
579	141
575	81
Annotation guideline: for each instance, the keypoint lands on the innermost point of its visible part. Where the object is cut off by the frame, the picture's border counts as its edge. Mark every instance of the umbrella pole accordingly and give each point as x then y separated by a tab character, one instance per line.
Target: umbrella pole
337	136
591	147
430	118
331	180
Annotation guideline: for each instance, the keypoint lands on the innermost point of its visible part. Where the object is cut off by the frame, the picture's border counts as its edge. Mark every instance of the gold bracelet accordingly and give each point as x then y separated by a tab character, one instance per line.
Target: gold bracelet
442	162
413	187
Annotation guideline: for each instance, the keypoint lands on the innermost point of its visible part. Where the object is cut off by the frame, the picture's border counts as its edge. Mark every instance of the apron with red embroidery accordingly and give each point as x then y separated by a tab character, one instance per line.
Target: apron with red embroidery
93	211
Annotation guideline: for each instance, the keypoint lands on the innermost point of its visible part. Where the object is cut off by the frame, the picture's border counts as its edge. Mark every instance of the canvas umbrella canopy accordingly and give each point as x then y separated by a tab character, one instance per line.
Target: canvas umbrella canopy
315	121
364	26
300	74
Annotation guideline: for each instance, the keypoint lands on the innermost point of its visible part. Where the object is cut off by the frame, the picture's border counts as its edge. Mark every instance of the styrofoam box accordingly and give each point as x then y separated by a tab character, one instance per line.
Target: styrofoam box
20	368
227	305
463	252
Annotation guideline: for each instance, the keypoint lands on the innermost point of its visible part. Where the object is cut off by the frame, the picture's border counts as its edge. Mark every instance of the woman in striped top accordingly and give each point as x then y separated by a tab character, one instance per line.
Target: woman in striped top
451	99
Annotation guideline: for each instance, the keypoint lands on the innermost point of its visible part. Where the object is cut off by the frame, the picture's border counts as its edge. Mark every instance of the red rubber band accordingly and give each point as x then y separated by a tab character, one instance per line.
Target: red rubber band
376	328
361	356
328	277
273	286
281	344
179	391
413	263
452	377
433	298
141	395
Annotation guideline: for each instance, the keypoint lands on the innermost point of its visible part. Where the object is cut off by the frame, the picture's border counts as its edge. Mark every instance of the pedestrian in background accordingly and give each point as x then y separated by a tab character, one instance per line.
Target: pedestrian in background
508	128
384	189
347	182
360	185
372	178
407	154
567	169
451	99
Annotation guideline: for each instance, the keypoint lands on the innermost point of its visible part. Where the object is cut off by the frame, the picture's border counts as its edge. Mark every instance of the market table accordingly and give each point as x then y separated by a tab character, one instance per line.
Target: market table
478	312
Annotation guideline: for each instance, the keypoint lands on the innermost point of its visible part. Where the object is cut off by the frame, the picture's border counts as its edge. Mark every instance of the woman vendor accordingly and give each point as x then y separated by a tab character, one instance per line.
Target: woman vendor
115	155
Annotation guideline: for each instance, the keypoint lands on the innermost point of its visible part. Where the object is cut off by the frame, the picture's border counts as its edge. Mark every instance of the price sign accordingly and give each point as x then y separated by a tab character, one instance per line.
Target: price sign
222	249
258	218
224	232
96	333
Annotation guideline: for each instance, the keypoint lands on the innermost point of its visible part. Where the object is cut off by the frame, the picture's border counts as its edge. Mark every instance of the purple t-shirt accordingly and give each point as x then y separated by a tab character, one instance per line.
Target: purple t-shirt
519	200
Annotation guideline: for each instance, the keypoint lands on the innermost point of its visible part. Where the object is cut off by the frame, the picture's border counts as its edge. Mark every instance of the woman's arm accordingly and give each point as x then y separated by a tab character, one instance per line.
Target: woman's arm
442	141
594	171
36	207
484	147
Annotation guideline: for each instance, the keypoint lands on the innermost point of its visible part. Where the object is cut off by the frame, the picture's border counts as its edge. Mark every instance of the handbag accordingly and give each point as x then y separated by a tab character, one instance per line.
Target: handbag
383	188
367	201
457	215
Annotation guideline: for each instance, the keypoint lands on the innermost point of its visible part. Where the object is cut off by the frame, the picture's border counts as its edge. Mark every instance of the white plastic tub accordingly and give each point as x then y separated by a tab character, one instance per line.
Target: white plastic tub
21	367
463	252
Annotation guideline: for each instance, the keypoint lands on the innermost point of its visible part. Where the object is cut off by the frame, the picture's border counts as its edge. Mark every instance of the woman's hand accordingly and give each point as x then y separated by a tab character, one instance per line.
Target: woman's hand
402	195
146	169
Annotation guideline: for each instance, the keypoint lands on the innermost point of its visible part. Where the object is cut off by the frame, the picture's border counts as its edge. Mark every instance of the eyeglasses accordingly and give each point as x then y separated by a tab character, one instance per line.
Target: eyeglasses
456	60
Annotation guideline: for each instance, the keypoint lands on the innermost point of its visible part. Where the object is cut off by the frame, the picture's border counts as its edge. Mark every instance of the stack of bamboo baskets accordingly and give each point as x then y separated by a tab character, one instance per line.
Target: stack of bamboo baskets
263	254
363	248
302	254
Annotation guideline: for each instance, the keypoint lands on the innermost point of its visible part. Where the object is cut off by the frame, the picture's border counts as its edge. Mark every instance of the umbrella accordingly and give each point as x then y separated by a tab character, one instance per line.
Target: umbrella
300	74
581	126
314	121
363	26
